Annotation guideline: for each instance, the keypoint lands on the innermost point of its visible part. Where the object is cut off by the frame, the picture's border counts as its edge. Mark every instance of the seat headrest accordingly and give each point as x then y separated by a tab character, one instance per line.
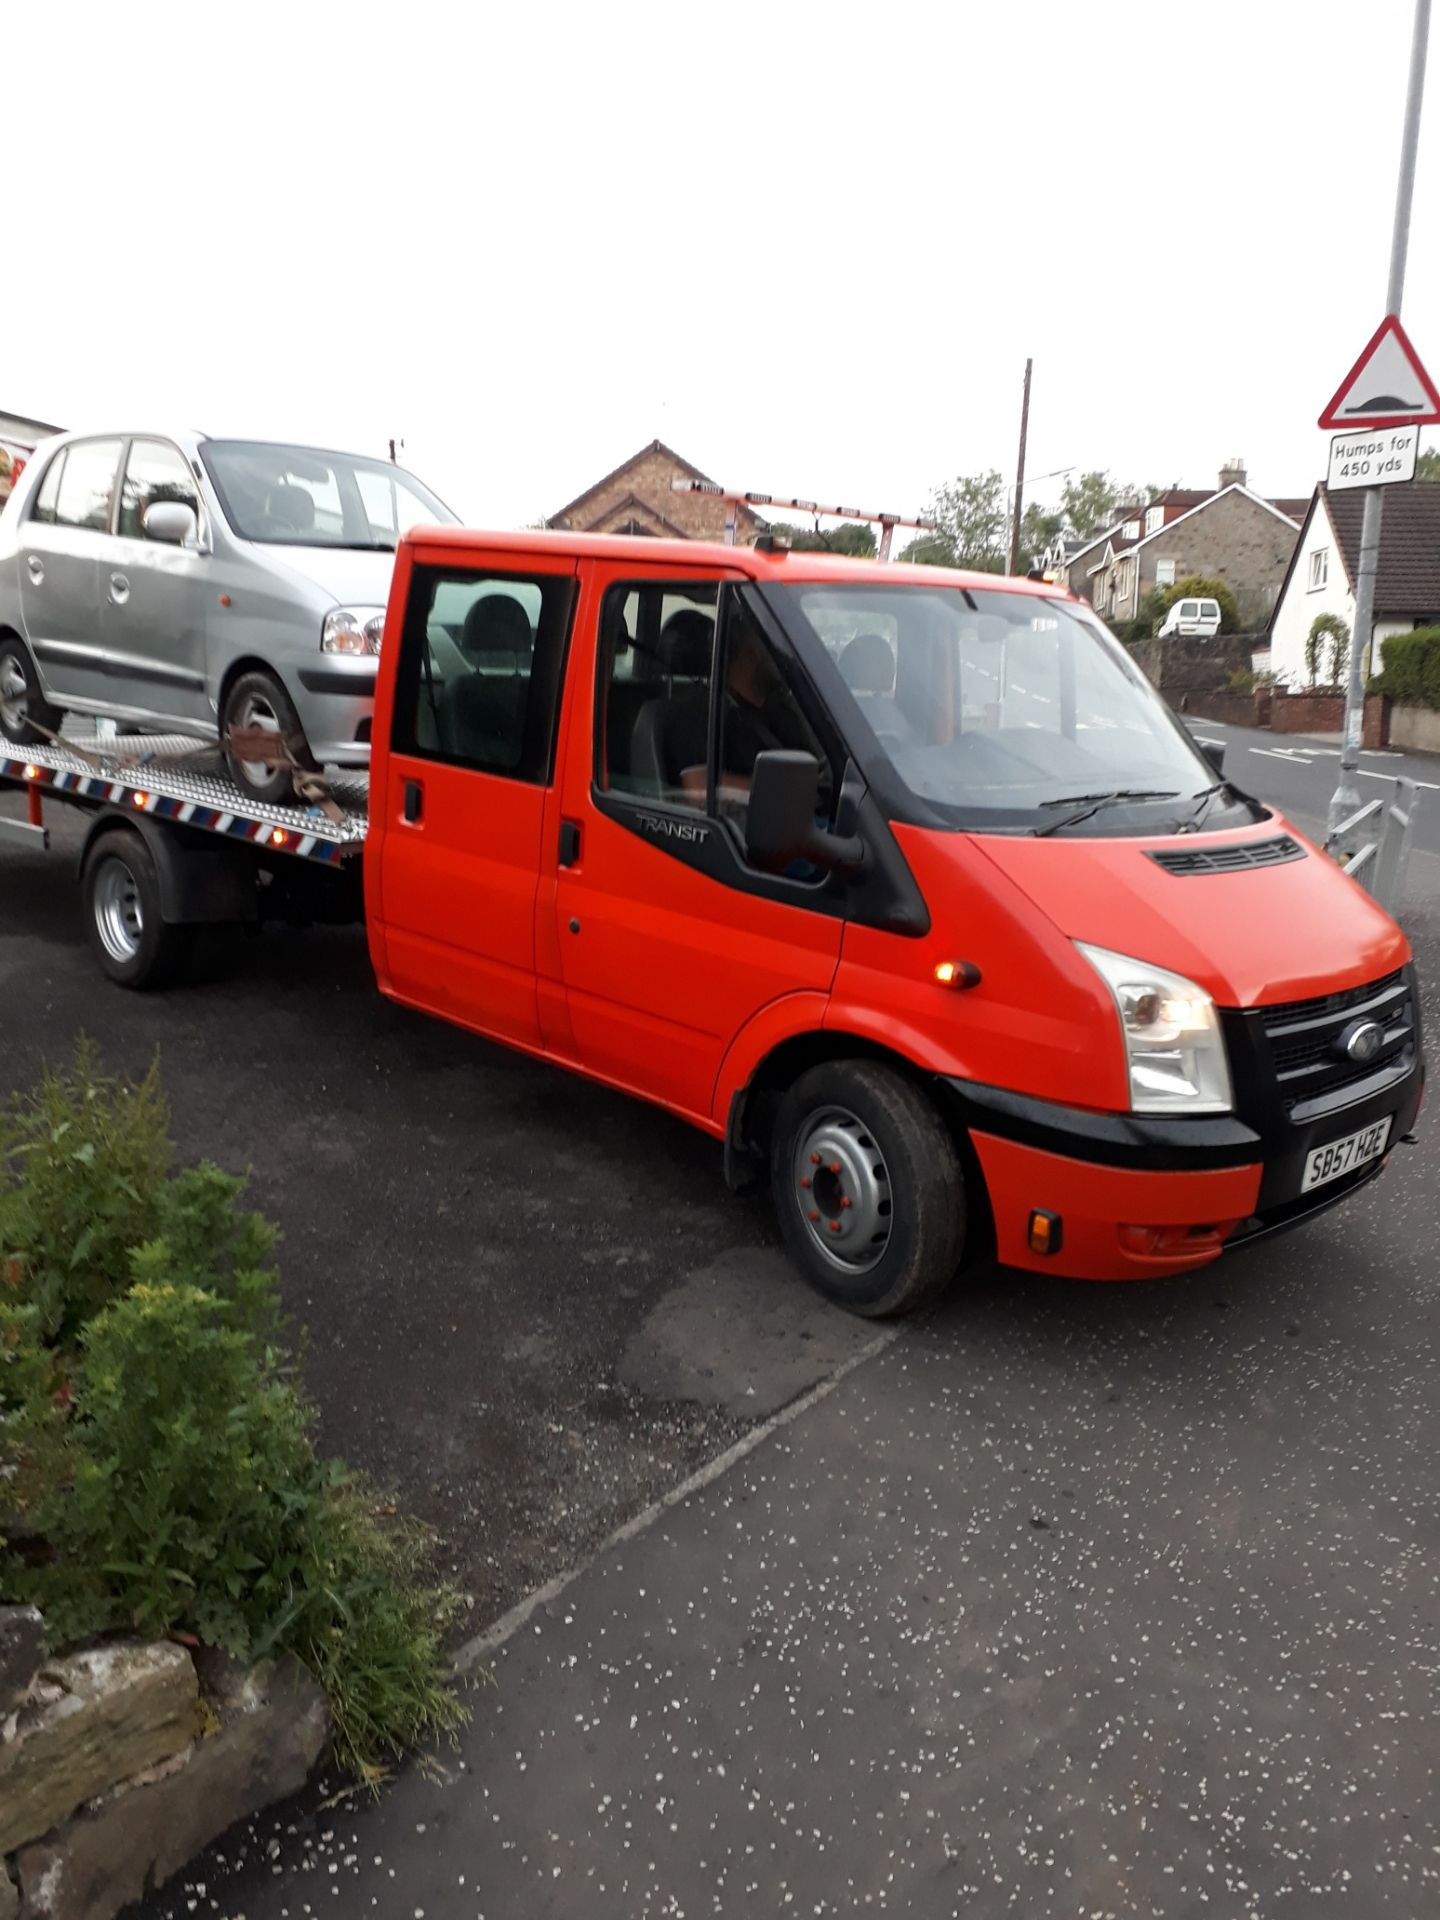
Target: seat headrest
867	664
687	641
496	623
293	507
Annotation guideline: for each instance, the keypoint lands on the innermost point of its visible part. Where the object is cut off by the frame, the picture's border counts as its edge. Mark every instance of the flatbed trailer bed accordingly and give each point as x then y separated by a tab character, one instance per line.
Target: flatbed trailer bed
174	842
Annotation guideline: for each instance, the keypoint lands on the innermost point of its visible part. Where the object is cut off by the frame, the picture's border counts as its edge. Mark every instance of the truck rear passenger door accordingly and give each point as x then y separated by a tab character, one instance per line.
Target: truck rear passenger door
471	760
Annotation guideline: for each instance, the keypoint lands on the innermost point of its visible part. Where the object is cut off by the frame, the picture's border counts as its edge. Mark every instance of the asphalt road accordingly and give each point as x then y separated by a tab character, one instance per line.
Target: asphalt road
1299	775
1073	1600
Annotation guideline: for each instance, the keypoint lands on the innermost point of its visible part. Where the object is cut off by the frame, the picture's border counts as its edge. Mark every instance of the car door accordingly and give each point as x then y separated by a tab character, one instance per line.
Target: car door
62	546
668	941
154	597
468	772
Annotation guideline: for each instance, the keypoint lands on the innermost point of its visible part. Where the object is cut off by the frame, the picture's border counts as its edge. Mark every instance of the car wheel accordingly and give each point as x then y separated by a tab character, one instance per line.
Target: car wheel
868	1187
257	700
24	710
128	934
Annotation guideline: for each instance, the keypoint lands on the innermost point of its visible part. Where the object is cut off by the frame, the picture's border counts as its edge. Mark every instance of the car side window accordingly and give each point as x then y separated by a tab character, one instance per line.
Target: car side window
657	652
87	485
154	470
759	713
479	678
44	507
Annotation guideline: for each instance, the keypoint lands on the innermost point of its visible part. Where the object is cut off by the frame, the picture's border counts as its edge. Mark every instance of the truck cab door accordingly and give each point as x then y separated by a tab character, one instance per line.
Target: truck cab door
464	785
668	941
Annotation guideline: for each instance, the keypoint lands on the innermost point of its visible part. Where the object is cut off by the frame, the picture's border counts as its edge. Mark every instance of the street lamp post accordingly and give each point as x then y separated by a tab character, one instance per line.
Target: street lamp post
1345	801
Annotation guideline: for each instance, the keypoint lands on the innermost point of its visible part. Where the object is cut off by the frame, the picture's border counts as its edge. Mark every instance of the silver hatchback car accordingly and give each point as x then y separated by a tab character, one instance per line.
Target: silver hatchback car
170	580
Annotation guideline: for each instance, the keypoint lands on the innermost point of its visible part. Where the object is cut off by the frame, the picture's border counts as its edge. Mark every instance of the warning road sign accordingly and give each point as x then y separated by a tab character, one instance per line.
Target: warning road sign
1386	387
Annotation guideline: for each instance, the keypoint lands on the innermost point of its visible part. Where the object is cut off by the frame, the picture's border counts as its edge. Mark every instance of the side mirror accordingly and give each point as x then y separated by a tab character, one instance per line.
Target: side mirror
780	823
1214	752
172	522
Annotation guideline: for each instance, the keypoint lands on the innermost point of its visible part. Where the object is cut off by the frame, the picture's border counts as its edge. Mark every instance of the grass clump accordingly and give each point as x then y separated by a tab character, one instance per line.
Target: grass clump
157	1466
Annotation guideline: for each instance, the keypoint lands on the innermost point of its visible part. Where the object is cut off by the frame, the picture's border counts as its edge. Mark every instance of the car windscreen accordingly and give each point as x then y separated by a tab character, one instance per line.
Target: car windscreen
999	709
300	497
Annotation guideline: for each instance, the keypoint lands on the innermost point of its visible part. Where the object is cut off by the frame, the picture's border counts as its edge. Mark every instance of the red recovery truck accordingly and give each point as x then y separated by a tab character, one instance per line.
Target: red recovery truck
903	884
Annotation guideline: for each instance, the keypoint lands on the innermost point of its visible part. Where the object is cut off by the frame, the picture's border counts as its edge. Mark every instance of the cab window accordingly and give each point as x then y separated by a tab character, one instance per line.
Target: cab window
87	485
479	676
154	470
689	694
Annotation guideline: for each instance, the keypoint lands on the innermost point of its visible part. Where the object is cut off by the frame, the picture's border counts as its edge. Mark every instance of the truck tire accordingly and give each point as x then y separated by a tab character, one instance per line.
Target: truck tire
21	702
868	1187
135	946
257	699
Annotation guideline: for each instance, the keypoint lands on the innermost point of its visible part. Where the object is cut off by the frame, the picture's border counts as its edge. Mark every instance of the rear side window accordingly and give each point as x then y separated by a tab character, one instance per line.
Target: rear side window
1189	610
480	671
87	485
154	471
44	508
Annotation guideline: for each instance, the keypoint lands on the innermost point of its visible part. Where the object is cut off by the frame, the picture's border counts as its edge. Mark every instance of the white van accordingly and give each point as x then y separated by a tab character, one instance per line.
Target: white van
1200	617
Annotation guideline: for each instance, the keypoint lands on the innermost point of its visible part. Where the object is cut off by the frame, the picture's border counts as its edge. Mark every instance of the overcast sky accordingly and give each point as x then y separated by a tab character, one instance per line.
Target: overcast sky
809	245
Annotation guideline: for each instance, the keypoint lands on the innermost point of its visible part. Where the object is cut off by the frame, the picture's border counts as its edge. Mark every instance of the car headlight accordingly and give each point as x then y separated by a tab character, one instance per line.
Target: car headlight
1174	1048
352	630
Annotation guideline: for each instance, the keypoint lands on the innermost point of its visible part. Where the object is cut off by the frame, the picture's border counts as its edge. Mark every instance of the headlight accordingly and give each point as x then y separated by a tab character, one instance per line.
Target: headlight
353	630
1173	1045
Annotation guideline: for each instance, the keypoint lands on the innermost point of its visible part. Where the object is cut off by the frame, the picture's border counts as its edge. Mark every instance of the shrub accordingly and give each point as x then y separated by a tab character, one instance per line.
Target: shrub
1198	587
154	1441
1412	668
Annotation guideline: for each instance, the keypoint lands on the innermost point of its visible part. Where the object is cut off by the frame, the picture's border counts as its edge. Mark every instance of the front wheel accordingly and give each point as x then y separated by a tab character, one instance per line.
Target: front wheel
128	935
24	710
868	1186
257	701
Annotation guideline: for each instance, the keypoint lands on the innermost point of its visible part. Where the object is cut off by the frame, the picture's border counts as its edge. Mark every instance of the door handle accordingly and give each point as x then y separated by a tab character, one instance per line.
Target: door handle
414	807
119	589
36	566
569	842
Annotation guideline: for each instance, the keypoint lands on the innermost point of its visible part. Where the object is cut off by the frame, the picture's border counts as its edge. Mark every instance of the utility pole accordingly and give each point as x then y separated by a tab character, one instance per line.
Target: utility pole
1345	800
1020	474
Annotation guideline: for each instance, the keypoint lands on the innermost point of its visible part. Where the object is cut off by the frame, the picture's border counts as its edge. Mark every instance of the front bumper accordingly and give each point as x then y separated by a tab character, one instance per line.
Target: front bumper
1140	1197
335	699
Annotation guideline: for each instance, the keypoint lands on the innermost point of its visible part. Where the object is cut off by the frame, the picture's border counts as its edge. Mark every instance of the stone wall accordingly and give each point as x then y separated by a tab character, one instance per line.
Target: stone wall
1183	665
120	1762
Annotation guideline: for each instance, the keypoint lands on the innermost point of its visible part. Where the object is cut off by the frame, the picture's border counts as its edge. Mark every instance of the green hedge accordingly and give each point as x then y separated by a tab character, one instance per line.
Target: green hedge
1412	668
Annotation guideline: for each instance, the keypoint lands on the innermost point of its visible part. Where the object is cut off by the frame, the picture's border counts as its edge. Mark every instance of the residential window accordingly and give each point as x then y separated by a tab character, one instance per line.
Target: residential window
1130	530
1154	519
1319	569
479	679
1164	573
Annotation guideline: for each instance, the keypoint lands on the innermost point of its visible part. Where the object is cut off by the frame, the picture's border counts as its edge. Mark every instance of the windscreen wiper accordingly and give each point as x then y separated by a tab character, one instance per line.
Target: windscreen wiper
1089	803
1191	822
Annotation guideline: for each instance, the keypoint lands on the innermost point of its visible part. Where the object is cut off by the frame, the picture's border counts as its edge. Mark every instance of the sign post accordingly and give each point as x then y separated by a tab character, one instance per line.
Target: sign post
1358	404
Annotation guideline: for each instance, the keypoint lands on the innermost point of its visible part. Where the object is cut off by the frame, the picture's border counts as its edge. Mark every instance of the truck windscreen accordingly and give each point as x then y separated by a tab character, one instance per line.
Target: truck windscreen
998	708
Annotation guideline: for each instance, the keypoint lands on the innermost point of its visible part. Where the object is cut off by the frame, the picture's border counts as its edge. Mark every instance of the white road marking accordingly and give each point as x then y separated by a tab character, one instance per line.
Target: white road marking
1365	773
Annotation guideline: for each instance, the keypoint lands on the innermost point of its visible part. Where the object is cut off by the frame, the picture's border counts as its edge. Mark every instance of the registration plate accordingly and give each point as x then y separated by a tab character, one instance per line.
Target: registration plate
1344	1156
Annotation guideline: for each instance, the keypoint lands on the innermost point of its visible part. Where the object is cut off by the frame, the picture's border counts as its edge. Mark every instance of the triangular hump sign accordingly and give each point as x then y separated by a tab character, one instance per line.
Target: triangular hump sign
1386	387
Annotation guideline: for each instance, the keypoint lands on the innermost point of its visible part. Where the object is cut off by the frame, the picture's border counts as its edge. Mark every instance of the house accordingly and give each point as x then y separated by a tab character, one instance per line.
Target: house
18	439
638	496
1228	533
1321	576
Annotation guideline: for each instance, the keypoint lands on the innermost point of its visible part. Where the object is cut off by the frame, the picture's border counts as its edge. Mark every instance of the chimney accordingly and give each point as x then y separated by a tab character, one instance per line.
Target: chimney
1232	474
